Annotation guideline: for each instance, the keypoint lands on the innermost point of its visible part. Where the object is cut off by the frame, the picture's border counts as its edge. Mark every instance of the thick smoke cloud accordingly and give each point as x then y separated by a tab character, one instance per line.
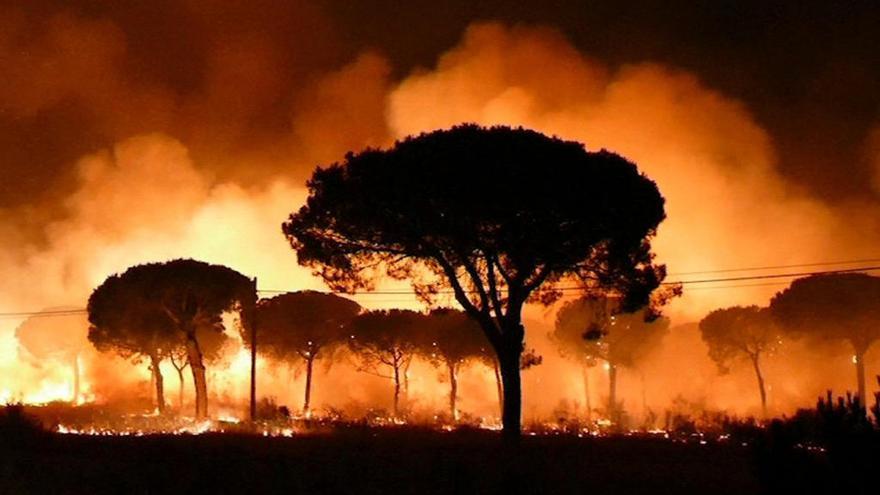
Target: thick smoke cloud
727	205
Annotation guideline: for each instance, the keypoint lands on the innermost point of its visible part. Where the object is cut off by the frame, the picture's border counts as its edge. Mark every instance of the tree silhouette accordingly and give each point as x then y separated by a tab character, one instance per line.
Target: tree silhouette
211	343
172	300
304	326
844	306
452	339
386	339
741	333
118	323
57	338
619	339
569	337
500	216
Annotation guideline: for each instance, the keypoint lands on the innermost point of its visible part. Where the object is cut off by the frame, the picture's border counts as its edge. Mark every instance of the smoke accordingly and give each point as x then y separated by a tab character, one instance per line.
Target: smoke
208	161
872	155
727	206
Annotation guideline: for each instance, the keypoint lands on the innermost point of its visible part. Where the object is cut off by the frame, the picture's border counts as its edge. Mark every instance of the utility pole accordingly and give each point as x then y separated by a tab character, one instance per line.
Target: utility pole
253	324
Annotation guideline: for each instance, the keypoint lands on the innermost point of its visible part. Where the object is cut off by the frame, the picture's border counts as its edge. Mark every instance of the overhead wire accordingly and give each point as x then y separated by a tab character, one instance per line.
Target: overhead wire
776	277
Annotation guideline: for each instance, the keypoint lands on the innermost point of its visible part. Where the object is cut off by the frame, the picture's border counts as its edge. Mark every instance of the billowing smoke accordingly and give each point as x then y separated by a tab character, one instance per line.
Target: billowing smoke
727	206
207	162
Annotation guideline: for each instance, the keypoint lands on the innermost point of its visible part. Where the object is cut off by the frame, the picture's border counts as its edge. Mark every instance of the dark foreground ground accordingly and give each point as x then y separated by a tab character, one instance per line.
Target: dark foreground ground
367	461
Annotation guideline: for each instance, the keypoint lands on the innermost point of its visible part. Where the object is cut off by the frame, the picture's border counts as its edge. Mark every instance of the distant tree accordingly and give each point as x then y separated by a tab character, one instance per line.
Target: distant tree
501	216
60	337
619	339
569	337
303	327
844	306
178	361
451	339
386	340
741	333
133	331
177	297
211	343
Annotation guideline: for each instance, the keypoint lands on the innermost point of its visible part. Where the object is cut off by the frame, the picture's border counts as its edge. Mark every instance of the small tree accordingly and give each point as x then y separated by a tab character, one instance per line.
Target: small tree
619	339
132	331
304	326
452	340
741	333
498	216
57	338
211	343
386	339
180	295
569	337
843	306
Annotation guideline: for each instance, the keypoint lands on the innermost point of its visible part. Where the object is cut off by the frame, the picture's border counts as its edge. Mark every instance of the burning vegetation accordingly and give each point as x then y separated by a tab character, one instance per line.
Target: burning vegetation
442	368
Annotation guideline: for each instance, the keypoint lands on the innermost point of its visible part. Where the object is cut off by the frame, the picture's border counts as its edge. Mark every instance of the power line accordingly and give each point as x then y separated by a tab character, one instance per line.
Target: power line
25	314
737	286
775	275
677	282
777	267
77	311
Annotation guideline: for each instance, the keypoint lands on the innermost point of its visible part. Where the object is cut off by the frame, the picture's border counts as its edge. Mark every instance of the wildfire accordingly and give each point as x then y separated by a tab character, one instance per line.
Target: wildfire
148	424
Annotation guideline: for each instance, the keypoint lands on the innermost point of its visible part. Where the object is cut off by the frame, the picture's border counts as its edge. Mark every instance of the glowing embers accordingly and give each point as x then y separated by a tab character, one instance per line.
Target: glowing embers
144	425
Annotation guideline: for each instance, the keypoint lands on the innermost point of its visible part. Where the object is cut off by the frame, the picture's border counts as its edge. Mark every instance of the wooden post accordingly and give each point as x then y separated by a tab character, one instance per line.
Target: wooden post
253	324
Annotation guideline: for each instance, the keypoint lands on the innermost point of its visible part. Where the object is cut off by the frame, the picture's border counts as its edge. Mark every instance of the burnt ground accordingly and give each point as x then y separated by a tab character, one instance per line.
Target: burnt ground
367	461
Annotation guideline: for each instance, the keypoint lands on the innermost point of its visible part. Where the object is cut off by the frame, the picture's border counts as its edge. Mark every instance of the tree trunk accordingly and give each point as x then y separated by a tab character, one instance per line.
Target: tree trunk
511	414
498	386
860	375
75	379
612	394
308	399
453	391
644	396
757	366
396	389
180	391
159	382
587	402
406	380
253	385
194	358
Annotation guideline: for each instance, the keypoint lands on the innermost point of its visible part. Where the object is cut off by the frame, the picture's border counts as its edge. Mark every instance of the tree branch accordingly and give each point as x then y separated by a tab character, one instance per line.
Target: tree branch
374	373
476	281
493	333
493	288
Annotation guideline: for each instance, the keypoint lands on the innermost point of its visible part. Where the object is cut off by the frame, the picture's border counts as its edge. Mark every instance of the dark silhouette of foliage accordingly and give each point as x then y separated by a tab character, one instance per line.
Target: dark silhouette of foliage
844	306
303	327
741	333
387	340
451	339
18	432
619	339
120	323
500	216
57	338
150	308
830	449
